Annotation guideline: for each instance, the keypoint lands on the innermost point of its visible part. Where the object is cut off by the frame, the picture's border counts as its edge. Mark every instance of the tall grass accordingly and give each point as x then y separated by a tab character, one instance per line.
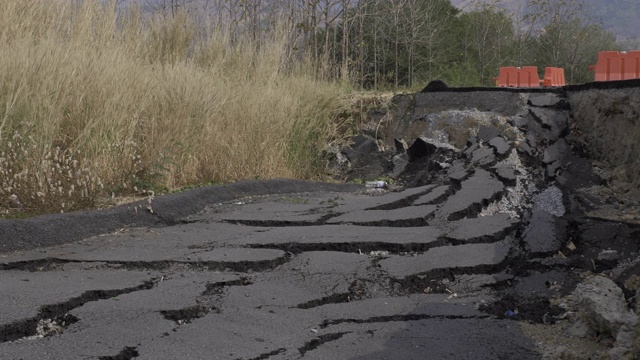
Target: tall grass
95	100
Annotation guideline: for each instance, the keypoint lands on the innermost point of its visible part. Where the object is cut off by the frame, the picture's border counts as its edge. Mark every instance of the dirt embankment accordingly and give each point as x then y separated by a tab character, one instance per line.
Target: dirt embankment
606	126
609	120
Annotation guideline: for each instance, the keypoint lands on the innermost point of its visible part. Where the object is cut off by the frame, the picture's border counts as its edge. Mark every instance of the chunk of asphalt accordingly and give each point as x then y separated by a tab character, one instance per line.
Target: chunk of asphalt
58	314
528	146
243	334
486	228
500	145
433	196
555	121
506	173
543	116
388	309
553	169
131	255
399	162
475	192
328	262
556	152
308	281
348	202
531	139
542	235
561	123
486	133
344	238
544	100
554	157
40	288
429	338
424	147
233	255
521	121
143	245
409	216
274	211
458	170
483	156
362	146
460	258
577	173
525	148
470	149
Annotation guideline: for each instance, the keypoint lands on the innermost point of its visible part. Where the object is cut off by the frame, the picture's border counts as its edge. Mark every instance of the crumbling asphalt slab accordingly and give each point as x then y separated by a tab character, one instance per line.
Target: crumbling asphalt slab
51	230
481	229
23	291
478	241
103	324
415	215
475	193
237	290
443	259
413	339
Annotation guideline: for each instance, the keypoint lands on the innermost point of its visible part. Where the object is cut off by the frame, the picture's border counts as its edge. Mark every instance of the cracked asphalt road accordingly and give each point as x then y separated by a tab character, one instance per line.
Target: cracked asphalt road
477	257
316	274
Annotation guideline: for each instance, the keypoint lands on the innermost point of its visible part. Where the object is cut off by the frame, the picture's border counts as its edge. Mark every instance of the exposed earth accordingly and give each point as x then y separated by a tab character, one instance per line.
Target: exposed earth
494	237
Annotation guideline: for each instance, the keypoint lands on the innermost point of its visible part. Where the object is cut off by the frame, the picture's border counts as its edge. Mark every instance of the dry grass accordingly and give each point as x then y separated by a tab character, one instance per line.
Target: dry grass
97	101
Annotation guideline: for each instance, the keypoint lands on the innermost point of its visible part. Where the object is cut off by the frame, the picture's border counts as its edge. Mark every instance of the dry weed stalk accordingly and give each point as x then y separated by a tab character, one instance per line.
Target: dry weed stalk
98	100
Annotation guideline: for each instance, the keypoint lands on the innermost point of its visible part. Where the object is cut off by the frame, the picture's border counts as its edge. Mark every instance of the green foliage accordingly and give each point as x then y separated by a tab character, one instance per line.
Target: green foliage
567	37
406	44
485	42
461	74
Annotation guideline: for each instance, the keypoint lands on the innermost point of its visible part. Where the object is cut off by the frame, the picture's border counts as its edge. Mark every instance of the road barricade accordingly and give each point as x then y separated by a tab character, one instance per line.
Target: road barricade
510	76
553	76
617	65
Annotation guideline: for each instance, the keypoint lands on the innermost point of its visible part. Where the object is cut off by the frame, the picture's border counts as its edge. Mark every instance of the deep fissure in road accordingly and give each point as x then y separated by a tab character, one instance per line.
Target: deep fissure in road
58	314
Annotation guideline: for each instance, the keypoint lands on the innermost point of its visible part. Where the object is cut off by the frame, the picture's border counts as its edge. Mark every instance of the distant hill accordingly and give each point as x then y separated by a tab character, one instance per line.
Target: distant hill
622	17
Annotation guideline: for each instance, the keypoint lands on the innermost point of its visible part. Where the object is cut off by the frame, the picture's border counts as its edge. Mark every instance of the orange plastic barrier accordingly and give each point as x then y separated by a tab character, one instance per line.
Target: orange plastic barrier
614	65
553	76
526	76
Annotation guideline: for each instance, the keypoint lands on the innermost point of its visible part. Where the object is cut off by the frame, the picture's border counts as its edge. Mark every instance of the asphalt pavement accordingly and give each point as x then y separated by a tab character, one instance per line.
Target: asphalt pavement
310	271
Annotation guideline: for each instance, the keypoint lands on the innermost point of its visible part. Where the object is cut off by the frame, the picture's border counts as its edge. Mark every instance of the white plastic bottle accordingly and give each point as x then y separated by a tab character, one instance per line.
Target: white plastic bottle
376	184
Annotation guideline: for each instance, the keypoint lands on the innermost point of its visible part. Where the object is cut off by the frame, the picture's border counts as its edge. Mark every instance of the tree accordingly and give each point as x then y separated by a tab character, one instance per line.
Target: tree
523	33
487	40
567	37
404	41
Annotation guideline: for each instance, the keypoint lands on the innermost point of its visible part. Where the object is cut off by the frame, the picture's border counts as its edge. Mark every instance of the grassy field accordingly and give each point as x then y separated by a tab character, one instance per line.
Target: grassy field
96	102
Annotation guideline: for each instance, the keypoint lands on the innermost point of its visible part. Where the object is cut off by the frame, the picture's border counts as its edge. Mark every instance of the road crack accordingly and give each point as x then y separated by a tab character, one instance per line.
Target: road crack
55	264
399	318
127	353
56	317
320	340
